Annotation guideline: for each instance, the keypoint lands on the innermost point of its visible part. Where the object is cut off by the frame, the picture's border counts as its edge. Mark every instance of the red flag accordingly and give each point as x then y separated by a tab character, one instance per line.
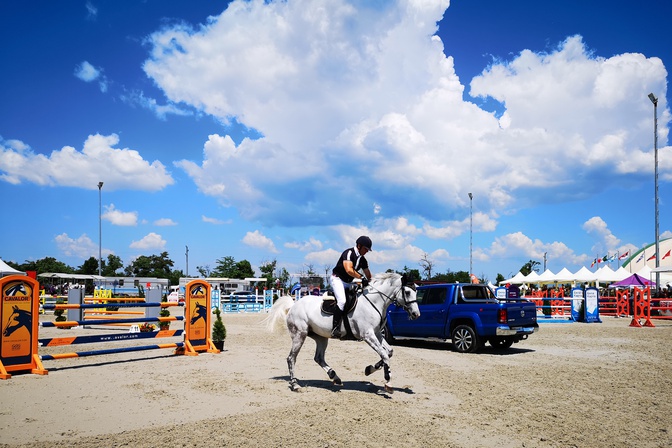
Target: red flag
652	257
624	255
667	254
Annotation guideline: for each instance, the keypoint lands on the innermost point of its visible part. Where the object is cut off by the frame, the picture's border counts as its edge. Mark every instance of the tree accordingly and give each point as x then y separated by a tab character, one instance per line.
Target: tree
244	269
113	264
284	277
175	277
499	278
225	268
412	275
89	267
427	265
48	264
267	269
529	267
159	266
205	271
452	277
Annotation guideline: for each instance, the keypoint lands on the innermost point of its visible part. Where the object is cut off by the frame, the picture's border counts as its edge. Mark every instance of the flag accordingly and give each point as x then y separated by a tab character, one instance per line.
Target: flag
652	257
605	258
624	255
593	263
667	254
640	258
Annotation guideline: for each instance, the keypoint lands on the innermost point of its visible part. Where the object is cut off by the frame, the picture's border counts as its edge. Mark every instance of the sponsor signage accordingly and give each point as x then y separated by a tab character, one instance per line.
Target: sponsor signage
19	316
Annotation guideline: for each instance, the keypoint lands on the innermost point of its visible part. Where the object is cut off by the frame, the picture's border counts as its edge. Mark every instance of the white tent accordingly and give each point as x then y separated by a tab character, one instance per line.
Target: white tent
606	275
564	276
515	280
6	269
644	272
584	275
546	277
532	277
621	274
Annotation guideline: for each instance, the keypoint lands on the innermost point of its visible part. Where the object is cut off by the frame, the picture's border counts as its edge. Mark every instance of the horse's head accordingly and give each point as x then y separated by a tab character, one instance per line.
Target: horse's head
200	312
407	299
19	318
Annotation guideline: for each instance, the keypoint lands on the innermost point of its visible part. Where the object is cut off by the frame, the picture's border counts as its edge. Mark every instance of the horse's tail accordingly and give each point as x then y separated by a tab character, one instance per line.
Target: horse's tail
277	315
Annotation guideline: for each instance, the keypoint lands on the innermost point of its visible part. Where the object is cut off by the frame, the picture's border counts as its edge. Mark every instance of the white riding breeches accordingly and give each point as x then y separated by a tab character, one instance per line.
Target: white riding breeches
339	287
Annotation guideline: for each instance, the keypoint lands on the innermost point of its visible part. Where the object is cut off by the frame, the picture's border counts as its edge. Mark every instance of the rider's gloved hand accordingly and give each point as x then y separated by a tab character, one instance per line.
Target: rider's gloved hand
365	282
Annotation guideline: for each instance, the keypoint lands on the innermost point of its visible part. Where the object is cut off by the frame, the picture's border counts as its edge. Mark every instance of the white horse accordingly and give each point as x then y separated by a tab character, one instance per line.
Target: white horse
305	318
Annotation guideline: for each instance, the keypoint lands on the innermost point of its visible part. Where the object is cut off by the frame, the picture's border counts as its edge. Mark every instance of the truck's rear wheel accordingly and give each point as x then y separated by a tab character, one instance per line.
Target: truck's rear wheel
465	339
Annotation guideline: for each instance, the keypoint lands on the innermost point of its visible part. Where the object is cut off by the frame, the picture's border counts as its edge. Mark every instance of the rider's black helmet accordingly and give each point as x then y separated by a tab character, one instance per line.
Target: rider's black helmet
364	241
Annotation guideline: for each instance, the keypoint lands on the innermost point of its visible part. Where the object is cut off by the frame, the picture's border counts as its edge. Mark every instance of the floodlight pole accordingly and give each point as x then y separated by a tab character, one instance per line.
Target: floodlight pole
187	257
654	100
100	229
471	236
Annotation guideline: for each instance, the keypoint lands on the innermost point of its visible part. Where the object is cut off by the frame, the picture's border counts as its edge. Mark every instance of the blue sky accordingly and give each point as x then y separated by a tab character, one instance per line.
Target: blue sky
284	130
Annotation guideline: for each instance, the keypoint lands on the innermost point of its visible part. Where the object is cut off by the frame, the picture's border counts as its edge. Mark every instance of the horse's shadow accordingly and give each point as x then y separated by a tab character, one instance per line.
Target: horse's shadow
360	386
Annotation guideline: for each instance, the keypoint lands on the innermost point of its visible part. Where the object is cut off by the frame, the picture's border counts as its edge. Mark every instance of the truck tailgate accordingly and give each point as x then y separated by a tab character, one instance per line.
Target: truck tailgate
521	314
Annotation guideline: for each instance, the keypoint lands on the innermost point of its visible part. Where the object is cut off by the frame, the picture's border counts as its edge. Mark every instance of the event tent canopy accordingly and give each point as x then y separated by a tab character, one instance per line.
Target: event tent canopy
633	280
6	269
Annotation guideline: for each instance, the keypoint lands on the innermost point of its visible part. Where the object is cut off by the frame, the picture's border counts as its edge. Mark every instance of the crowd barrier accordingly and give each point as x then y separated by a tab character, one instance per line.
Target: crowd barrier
20	308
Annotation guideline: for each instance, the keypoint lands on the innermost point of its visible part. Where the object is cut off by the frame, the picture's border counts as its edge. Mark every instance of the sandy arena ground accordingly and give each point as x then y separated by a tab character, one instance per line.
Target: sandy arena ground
569	385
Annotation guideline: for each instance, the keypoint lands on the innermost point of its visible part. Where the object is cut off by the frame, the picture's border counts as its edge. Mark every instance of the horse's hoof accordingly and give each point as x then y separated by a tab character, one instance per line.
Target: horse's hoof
337	381
369	370
389	389
294	386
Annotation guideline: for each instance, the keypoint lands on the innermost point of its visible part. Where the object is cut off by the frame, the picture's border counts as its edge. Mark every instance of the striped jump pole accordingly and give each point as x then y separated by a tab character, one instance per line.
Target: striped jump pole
84	306
134	320
92	339
177	345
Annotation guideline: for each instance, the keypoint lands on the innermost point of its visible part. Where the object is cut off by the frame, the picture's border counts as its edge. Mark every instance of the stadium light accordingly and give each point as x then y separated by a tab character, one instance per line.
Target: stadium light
100	229
471	236
654	100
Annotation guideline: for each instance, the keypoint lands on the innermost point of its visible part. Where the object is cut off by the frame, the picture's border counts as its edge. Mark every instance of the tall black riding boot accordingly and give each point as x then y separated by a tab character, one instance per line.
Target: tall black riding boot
338	317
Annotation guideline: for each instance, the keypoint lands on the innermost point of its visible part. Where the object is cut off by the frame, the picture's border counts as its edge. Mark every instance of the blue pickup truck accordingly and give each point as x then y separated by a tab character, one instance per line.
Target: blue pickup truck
468	314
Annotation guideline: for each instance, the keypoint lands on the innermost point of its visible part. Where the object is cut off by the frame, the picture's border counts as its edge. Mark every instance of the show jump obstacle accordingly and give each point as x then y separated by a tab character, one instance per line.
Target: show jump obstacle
19	316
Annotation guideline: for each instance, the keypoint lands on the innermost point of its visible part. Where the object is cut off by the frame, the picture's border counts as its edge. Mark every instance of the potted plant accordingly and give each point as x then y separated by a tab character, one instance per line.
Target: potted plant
59	313
218	330
146	327
164	313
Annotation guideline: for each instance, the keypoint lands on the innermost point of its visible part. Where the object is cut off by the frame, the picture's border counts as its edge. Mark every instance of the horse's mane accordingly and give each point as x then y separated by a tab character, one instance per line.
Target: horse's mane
386	277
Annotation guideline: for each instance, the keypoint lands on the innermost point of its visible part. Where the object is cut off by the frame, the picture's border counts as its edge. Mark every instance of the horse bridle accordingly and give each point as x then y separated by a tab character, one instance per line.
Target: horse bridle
405	304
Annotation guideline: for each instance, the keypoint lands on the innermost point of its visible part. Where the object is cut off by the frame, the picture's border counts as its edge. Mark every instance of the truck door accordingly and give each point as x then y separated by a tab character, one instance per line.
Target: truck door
432	320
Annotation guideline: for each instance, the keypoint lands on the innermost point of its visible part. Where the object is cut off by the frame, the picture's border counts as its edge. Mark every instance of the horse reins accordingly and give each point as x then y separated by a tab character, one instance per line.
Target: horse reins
405	305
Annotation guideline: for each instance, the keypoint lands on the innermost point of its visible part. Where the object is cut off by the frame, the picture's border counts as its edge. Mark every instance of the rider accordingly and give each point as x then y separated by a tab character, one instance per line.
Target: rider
350	261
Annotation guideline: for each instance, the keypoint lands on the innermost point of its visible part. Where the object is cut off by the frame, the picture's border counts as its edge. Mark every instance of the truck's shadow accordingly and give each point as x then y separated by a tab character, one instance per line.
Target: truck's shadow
487	349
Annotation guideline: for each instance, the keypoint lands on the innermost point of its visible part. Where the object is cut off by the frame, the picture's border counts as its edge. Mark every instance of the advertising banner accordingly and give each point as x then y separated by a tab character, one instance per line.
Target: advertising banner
197	317
19	315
